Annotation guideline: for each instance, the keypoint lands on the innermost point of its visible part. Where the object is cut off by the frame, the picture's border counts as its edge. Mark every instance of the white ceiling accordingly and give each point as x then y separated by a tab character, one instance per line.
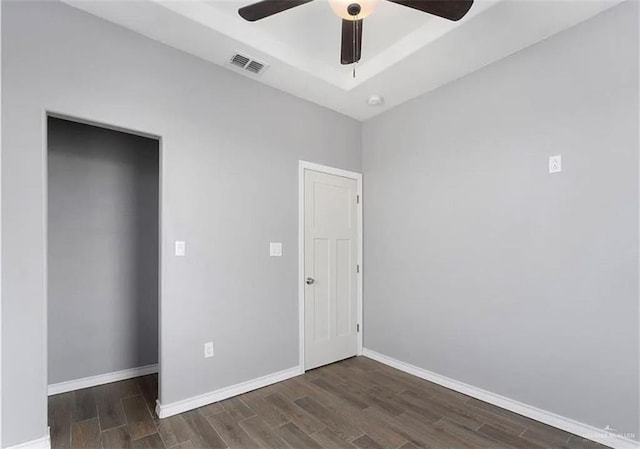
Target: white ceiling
405	53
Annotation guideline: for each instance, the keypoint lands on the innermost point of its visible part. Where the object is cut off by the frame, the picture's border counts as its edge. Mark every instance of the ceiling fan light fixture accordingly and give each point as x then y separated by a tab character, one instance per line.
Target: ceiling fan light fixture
341	8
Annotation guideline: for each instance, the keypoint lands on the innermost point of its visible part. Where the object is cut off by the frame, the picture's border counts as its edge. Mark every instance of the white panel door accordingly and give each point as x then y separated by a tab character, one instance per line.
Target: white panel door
330	264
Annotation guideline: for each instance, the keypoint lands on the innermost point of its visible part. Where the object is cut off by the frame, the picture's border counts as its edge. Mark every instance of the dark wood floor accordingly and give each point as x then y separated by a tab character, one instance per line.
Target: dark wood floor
356	403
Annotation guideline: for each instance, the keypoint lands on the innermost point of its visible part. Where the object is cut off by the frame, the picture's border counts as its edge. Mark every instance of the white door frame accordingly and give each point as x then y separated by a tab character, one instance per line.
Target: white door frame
303	165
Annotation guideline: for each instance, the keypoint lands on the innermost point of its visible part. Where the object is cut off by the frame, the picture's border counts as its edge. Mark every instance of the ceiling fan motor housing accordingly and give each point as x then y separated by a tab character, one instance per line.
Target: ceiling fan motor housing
354	9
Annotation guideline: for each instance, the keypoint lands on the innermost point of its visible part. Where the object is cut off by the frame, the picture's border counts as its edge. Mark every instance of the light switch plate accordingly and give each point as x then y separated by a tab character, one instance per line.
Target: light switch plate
181	248
555	164
208	349
275	249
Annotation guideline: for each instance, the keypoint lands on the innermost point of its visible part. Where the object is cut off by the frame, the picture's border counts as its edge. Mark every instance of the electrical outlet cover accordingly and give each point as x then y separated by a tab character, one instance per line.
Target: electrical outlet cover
555	164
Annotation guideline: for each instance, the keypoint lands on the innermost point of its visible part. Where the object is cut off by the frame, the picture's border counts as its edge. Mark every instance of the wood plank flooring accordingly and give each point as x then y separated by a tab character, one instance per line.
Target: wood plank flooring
356	403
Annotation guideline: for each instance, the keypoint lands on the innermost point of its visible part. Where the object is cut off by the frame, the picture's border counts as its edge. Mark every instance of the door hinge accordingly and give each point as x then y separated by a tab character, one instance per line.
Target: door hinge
358	327
358	268
357	199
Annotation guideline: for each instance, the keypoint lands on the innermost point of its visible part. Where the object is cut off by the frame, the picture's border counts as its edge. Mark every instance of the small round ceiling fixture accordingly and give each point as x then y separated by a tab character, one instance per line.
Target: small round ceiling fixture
375	100
346	8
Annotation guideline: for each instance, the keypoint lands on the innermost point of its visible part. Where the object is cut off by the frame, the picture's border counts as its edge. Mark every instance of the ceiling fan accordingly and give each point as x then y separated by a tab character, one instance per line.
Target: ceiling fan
353	12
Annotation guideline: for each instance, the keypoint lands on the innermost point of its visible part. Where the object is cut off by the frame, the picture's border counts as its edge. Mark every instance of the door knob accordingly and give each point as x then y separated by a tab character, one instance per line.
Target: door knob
310	281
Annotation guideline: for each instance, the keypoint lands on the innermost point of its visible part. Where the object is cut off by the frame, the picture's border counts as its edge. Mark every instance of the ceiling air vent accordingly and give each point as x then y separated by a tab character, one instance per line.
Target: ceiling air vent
255	67
240	61
246	63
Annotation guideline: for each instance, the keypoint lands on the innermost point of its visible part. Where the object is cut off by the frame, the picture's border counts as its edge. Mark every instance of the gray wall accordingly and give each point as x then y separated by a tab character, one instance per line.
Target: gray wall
229	173
102	250
483	267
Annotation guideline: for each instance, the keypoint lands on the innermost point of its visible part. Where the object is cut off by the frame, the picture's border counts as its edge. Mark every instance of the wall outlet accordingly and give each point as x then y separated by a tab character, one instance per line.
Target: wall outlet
208	349
555	164
181	248
275	249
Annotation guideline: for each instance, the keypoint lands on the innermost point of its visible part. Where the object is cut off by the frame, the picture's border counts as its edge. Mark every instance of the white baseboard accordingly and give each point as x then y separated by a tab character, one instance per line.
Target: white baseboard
174	408
101	379
40	443
569	425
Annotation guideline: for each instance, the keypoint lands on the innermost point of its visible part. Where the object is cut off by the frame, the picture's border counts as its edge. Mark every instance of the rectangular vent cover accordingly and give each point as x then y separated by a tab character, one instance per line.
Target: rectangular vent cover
247	63
240	61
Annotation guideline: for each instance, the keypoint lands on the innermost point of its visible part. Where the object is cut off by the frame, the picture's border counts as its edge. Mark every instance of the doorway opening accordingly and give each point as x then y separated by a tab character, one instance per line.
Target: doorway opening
103	279
330	264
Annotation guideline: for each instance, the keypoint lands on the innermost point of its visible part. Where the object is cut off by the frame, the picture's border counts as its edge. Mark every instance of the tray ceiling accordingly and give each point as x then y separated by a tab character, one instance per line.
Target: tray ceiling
405	53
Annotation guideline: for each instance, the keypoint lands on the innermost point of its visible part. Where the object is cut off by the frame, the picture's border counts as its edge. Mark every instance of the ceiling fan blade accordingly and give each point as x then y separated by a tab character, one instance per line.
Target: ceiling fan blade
448	9
351	41
268	8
